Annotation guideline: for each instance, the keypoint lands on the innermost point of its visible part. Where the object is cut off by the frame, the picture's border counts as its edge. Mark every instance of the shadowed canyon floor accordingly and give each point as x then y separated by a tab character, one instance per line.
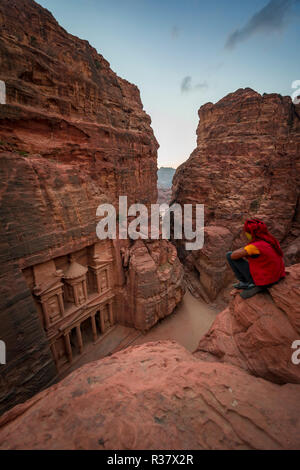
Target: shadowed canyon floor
190	319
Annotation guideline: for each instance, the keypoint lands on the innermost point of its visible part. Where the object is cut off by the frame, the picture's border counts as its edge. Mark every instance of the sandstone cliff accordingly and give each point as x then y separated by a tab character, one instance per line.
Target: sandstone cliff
65	104
73	135
246	164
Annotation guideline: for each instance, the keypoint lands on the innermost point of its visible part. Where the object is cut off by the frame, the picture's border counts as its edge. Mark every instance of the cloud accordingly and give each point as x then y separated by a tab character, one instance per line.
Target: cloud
187	86
272	17
201	85
175	32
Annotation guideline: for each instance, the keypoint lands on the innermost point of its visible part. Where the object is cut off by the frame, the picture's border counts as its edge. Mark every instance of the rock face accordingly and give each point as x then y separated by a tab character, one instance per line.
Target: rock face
246	164
156	396
65	104
154	282
73	135
257	334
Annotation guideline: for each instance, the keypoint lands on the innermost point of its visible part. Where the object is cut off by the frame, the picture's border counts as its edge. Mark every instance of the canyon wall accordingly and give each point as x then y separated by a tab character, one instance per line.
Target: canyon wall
246	164
73	135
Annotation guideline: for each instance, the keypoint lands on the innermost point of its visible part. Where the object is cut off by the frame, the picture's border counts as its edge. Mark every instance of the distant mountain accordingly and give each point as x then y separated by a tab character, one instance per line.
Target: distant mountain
164	177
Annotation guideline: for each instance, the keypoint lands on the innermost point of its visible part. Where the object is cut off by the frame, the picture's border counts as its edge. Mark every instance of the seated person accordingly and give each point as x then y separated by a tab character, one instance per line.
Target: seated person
260	263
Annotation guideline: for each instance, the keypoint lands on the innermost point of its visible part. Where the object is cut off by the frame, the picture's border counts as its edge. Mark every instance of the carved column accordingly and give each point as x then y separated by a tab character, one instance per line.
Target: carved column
61	303
79	339
54	353
102	321
106	278
46	315
85	289
109	277
68	347
94	327
76	296
111	314
98	281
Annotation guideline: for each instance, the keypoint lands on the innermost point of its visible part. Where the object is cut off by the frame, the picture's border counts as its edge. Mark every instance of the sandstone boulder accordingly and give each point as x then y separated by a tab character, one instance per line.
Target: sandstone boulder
156	396
257	334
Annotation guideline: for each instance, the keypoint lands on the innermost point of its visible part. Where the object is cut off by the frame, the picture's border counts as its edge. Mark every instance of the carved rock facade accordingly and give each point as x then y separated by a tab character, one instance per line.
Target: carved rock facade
74	300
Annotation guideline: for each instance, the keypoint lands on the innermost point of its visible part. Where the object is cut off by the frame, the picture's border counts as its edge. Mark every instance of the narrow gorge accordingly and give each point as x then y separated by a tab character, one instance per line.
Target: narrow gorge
137	344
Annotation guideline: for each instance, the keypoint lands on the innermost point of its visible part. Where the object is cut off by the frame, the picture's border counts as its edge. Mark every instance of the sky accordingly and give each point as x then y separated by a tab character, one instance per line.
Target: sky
185	53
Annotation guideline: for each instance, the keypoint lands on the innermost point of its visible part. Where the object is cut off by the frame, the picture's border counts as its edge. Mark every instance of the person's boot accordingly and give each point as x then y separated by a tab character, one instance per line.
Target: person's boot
248	293
241	285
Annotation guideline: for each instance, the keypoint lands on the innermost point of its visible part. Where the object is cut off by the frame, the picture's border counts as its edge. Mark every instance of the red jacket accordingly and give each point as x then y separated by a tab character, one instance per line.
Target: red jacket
267	267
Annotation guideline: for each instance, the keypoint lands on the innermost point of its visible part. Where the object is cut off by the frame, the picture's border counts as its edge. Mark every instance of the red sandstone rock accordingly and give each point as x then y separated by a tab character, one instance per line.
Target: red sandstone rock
66	104
246	164
257	334
208	265
154	283
73	135
156	396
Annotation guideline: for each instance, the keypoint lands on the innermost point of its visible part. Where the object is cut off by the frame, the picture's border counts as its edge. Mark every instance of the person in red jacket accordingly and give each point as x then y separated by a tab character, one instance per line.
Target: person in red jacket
260	263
